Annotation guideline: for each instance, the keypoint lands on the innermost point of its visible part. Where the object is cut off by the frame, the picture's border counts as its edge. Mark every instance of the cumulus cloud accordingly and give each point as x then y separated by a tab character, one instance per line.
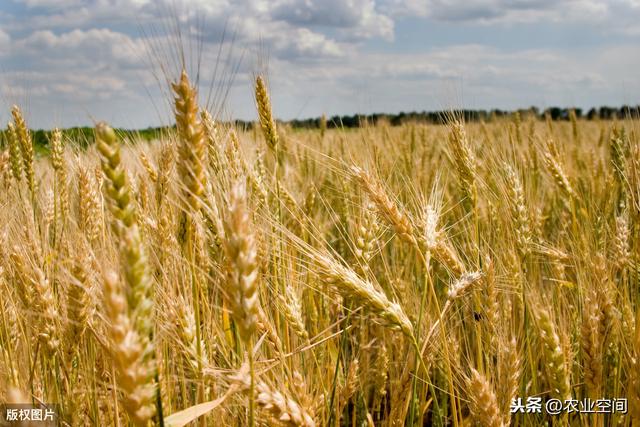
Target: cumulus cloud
360	17
91	46
286	42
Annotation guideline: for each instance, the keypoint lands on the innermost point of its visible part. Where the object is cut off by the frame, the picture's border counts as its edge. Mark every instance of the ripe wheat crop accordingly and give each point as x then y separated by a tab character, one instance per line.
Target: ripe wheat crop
420	274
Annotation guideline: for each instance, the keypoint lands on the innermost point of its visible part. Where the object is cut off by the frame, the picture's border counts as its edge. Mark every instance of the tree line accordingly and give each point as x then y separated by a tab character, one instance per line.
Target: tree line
442	117
83	136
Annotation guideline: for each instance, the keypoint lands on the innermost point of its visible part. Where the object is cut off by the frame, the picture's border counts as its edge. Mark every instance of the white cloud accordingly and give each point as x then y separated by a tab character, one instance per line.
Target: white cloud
287	42
502	11
91	47
360	17
5	41
51	3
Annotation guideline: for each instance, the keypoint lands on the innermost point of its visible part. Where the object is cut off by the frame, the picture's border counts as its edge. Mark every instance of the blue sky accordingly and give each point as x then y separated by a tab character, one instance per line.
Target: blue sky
68	62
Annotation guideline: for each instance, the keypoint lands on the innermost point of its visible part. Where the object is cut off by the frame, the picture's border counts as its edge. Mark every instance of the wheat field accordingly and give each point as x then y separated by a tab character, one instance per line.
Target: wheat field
382	276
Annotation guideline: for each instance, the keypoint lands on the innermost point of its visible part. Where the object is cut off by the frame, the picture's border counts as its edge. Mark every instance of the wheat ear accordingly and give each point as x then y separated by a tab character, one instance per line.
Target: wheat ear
591	344
347	283
293	312
554	357
386	207
15	153
192	141
554	164
130	353
242	255
464	160
60	168
132	322
89	210
483	402
510	370
366	239
464	285
79	305
263	104
518	210
185	323
283	408
436	241
26	146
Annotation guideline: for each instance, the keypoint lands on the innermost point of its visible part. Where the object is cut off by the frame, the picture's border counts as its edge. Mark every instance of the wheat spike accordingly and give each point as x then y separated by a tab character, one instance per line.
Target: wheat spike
518	210
483	401
591	343
117	188
89	210
15	152
26	146
151	170
185	323
130	353
132	321
510	371
80	306
621	251
60	168
263	104
366	239
293	312
282	408
347	283
242	256
386	207
464	160
463	285
436	242
552	160
192	141
554	357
